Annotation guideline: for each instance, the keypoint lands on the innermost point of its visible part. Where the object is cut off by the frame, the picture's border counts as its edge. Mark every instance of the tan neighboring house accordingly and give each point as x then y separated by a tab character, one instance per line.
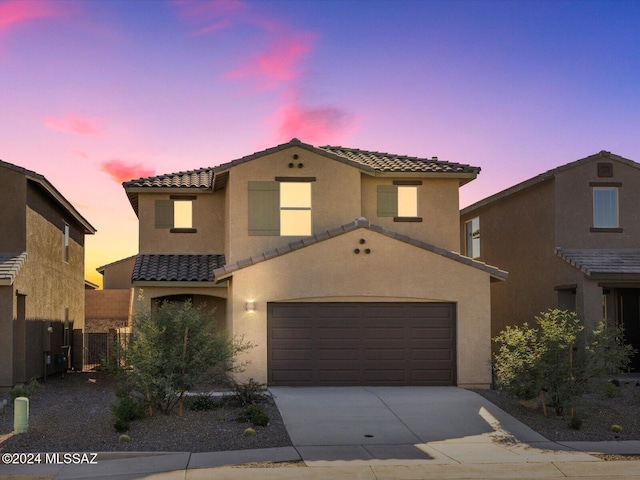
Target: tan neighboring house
570	239
337	264
41	277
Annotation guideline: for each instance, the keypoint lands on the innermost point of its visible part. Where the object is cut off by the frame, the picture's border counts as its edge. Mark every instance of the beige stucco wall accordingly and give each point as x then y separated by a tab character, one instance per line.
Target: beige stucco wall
13	195
118	275
575	206
208	220
393	271
335	196
6	336
438	206
517	235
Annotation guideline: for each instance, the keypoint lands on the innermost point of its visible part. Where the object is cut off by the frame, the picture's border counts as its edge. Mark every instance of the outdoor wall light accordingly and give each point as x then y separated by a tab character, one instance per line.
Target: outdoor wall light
250	307
50	329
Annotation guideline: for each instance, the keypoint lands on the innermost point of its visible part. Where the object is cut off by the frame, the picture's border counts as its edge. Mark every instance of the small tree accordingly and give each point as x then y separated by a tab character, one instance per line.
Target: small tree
546	359
173	349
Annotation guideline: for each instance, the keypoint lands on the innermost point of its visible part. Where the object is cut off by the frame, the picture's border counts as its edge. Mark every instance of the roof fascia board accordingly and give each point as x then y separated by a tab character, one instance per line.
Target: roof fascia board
470	176
58	197
166	283
151	189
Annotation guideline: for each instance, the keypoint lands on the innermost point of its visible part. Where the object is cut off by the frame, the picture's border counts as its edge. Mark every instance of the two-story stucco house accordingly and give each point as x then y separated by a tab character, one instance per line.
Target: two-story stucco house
337	264
570	239
41	277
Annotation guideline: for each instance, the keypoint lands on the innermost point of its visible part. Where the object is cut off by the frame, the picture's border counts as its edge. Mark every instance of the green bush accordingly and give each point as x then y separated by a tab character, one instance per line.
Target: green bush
128	408
124	438
203	402
248	393
254	414
24	390
121	426
249	432
575	423
611	390
547	357
616	428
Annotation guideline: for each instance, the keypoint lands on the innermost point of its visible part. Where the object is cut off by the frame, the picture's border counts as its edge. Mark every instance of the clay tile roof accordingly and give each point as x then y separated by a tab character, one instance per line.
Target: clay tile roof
10	265
176	268
200	178
604	263
390	162
361	222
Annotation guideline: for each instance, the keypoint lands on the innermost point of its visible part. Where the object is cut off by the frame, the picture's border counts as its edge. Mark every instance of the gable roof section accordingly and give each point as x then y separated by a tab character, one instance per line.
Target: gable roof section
10	265
176	268
227	270
52	192
602	155
604	263
103	267
367	161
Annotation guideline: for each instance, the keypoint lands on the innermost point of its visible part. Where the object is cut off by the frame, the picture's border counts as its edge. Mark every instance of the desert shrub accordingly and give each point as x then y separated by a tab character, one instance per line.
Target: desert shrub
24	390
260	420
616	428
249	432
247	413
128	408
203	402
545	357
124	438
575	423
248	393
611	390
174	348
120	425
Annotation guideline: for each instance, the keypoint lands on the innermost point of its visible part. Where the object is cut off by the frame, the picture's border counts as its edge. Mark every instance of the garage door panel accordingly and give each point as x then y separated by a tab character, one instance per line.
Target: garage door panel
361	344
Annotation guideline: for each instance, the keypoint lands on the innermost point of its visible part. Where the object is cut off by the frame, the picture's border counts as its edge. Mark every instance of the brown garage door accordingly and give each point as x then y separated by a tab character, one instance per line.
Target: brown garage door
361	344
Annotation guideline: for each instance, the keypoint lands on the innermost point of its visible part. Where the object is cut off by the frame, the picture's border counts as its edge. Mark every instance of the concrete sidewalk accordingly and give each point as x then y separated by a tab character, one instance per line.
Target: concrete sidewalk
219	465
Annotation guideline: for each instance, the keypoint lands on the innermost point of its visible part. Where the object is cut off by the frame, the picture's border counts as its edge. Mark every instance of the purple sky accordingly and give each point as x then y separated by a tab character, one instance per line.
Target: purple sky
96	92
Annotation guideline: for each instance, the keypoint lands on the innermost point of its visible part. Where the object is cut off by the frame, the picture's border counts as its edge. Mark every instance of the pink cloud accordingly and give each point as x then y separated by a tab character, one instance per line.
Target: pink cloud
18	11
278	64
72	124
214	15
313	125
122	172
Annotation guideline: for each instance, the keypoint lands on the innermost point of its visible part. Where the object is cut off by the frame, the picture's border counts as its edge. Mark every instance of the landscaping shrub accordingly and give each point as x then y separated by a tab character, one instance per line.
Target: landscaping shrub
616	428
121	425
575	423
546	357
174	348
128	408
124	438
203	402
249	432
248	393
24	390
612	390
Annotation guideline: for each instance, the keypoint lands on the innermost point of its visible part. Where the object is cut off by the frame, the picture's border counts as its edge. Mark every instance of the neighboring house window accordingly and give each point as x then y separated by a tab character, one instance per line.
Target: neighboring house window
175	214
472	234
399	201
280	207
605	207
65	247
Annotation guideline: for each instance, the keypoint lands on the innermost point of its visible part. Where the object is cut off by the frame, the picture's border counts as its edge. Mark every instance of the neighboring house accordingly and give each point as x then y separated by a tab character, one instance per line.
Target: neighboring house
117	275
337	264
41	277
570	239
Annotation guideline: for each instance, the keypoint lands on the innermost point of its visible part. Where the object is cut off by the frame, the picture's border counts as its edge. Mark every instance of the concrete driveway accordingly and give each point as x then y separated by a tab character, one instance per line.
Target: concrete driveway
406	425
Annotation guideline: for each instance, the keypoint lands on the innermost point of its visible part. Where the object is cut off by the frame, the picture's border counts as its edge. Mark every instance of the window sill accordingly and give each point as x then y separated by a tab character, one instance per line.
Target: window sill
605	230
407	219
182	230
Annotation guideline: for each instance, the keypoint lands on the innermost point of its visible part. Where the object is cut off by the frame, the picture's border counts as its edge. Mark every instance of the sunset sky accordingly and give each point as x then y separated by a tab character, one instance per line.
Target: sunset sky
94	93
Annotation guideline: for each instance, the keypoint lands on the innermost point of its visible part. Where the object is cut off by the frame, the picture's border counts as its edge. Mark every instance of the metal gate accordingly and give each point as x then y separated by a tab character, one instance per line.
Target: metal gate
101	348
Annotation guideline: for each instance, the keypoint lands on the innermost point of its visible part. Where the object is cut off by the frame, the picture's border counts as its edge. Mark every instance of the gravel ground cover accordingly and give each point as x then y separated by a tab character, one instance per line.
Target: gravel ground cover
597	411
73	415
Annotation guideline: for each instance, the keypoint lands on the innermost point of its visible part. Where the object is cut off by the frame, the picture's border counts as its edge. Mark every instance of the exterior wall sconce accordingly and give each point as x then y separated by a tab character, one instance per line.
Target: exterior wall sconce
250	307
50	329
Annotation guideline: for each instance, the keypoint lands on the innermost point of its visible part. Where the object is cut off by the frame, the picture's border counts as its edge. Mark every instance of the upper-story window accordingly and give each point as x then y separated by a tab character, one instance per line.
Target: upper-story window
175	214
65	245
282	207
399	201
605	207
472	236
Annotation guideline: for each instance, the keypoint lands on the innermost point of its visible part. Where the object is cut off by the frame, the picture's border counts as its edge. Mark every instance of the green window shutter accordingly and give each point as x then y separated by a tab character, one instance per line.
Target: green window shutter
264	208
164	213
387	201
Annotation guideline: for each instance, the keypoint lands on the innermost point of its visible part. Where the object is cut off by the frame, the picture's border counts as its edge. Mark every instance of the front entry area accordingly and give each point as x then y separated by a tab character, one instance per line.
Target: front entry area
629	319
367	343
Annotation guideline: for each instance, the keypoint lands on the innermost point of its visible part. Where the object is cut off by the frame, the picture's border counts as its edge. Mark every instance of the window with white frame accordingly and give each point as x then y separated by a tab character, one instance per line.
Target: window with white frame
472	235
295	208
65	246
605	207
